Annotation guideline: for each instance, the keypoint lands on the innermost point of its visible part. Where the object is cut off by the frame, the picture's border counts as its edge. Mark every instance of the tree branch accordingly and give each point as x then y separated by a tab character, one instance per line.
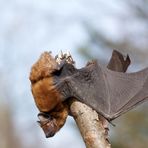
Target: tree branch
92	126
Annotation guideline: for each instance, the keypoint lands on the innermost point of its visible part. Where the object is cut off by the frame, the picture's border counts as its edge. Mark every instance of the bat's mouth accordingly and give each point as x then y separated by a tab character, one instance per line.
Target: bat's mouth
48	124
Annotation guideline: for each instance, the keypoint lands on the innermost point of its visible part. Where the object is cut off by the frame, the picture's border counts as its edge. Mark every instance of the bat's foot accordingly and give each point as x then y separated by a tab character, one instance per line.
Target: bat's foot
48	124
66	57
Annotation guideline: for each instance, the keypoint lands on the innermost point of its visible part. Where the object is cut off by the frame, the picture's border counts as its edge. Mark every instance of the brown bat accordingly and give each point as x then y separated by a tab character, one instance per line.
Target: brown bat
108	92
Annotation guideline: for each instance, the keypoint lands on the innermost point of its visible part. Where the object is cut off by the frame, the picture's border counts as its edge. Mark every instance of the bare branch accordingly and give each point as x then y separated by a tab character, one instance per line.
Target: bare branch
92	126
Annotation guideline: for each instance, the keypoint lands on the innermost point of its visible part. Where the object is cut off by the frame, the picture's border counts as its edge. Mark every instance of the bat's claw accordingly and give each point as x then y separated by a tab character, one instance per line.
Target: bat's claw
64	56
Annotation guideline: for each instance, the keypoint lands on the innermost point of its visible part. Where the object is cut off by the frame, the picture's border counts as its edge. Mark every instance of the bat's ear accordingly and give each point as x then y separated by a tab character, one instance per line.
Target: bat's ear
119	62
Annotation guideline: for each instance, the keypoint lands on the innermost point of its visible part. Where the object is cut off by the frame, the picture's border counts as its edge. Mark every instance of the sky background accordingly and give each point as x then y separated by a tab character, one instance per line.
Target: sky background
31	27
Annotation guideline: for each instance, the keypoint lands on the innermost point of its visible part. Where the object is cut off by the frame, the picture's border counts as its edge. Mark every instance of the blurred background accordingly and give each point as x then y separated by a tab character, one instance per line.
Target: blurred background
88	29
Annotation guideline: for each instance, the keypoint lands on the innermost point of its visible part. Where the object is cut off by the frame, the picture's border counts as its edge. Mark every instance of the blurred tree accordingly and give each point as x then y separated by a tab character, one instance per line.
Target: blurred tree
7	130
132	33
132	128
10	134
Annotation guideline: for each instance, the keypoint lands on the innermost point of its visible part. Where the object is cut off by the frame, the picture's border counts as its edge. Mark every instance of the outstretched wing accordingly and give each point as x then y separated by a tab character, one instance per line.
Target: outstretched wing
88	86
109	93
126	90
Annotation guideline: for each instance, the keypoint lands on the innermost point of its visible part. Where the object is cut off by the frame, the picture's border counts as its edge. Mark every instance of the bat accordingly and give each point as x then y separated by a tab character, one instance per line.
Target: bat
110	93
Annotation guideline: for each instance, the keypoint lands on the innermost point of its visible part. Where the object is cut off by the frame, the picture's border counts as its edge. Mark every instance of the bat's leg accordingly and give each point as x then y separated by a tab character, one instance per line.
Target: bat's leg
53	121
61	64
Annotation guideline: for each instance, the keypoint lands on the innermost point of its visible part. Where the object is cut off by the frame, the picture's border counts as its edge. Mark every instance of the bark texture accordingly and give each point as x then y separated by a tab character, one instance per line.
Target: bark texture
92	126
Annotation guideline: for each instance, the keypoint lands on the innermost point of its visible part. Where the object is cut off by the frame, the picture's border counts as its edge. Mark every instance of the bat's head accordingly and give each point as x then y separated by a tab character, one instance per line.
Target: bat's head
44	67
46	76
48	124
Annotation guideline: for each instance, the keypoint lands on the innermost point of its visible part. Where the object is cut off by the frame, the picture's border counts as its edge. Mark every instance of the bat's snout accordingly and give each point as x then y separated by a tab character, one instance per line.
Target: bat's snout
47	123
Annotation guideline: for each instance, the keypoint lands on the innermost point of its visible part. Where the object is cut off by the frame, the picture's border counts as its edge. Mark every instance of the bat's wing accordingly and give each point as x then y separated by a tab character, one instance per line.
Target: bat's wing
126	90
88	86
118	62
109	93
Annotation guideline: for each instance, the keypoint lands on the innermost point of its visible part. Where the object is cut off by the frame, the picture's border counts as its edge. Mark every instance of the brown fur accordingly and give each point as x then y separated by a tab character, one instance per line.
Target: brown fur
56	120
46	96
43	67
